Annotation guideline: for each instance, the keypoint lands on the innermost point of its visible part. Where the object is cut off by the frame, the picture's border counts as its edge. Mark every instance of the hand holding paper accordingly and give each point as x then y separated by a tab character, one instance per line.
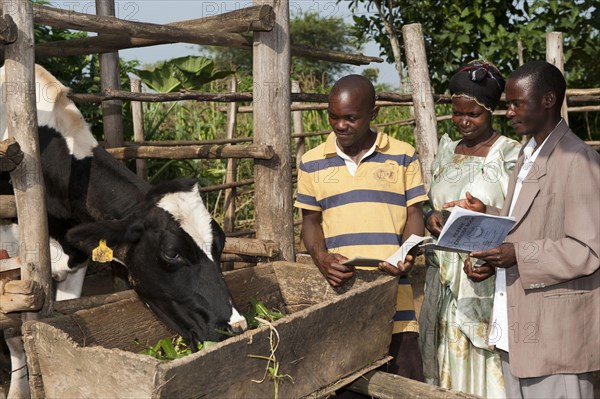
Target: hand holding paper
468	231
398	256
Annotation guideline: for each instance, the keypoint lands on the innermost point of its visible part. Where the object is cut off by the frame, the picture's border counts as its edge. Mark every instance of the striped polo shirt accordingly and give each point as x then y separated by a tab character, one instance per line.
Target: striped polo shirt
365	214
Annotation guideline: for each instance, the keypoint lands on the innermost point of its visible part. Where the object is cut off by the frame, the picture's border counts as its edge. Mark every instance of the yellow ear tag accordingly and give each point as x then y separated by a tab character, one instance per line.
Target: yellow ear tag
102	253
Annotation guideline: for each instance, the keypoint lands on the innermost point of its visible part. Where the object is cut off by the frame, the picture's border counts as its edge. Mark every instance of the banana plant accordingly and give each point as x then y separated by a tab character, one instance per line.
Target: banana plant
178	74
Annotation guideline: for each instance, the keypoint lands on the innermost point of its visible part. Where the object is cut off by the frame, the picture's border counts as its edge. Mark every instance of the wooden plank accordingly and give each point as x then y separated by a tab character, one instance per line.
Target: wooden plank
311	348
69	19
327	391
243	20
115	371
20	296
260	282
70	306
272	126
256	151
10	268
555	56
424	107
378	384
251	246
317	346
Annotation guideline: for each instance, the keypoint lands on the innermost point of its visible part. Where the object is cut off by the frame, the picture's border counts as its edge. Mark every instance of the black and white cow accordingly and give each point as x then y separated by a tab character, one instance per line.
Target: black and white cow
164	234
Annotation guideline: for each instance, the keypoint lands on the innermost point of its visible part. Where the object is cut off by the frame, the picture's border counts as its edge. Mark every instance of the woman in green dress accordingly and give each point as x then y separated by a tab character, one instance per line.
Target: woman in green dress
455	312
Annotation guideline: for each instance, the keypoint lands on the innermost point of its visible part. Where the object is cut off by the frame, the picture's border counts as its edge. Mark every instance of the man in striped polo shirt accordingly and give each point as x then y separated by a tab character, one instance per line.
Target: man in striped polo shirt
360	193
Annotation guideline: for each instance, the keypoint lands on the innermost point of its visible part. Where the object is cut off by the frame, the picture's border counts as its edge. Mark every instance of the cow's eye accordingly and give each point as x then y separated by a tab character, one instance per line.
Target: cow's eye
171	255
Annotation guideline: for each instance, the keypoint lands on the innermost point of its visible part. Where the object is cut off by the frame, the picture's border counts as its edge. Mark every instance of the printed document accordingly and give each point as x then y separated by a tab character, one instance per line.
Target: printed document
468	231
393	259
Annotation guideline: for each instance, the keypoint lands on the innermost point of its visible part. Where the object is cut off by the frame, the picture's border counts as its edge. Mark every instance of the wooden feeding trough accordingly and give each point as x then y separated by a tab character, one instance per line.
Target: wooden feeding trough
327	335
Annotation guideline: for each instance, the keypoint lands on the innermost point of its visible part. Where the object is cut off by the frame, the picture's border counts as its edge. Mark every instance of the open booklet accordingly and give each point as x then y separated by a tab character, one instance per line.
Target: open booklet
396	257
468	231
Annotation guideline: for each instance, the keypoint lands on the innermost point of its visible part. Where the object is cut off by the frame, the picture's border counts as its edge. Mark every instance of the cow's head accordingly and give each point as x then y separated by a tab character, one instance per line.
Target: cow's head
172	248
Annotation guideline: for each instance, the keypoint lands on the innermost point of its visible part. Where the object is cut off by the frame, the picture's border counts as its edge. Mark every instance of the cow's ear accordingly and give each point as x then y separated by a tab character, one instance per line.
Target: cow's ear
116	233
218	240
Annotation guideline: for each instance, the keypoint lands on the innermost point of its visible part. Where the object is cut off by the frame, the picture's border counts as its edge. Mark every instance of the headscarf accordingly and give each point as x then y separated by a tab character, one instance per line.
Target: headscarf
479	81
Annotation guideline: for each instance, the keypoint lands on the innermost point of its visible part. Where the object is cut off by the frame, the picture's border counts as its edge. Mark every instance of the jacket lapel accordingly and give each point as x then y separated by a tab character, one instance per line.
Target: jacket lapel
531	185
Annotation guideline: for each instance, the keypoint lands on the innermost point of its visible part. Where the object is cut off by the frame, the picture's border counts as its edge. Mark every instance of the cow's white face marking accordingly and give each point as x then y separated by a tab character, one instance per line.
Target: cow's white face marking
55	110
189	211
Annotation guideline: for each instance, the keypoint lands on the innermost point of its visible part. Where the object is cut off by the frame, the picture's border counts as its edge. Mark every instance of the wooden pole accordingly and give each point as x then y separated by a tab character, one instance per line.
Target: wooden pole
379	384
256	151
27	178
298	127
271	93
555	56
520	51
110	78
418	71
137	114
231	173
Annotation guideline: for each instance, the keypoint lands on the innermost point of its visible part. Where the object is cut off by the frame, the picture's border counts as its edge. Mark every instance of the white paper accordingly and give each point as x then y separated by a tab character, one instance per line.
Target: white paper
393	259
468	231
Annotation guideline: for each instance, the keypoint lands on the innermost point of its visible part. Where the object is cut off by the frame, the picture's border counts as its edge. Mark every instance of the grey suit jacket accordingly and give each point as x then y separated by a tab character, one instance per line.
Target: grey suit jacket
553	292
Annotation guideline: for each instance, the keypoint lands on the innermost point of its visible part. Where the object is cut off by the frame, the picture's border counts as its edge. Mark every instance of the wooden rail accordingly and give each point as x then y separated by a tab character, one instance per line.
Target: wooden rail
255	151
379	384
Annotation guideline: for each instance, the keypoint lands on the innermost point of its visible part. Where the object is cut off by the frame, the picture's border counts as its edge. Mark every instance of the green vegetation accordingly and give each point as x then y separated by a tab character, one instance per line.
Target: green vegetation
171	348
177	346
458	31
455	31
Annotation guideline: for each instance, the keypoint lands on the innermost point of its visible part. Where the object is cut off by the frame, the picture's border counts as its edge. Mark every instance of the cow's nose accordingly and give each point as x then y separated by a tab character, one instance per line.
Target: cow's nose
237	323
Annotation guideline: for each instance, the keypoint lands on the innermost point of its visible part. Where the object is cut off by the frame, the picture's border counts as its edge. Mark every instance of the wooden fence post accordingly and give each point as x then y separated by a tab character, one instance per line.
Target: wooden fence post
110	79
27	178
298	127
137	114
231	173
426	124
271	94
555	56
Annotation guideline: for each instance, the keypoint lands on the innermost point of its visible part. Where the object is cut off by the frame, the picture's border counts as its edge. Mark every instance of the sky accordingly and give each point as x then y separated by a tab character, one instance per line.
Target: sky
165	11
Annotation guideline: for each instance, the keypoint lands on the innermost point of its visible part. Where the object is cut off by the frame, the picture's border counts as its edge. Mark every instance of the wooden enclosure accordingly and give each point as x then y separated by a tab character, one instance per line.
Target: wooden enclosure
321	341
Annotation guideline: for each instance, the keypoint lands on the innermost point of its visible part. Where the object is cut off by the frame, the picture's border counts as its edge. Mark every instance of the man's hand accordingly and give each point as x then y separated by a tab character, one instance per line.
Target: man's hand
434	223
503	256
480	273
471	203
331	267
401	270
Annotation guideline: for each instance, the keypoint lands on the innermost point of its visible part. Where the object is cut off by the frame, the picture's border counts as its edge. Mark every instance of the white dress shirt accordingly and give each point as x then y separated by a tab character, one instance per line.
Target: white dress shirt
499	333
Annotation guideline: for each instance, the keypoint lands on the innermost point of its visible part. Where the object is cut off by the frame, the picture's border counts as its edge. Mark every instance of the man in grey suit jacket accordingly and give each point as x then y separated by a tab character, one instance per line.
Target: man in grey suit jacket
546	316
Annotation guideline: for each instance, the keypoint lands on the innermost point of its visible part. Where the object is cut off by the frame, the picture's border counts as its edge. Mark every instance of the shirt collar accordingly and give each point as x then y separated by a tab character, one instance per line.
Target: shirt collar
381	142
528	150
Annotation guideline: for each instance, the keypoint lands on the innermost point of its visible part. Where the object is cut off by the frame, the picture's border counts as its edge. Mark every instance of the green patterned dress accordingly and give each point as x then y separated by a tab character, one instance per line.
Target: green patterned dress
456	311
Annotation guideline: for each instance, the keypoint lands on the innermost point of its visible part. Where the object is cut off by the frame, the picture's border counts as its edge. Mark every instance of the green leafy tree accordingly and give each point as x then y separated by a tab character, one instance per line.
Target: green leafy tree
309	30
457	31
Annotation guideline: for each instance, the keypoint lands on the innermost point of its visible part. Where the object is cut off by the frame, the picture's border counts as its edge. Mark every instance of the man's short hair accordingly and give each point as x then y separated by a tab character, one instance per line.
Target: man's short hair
544	76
